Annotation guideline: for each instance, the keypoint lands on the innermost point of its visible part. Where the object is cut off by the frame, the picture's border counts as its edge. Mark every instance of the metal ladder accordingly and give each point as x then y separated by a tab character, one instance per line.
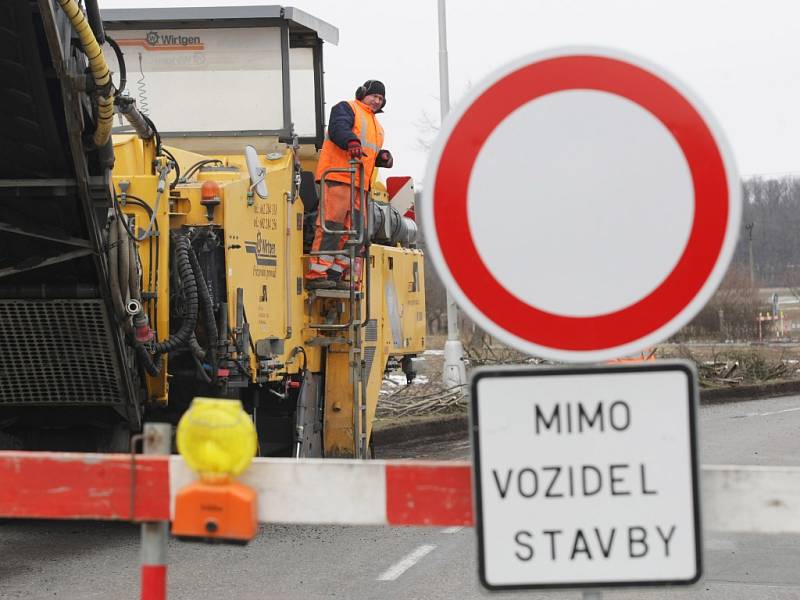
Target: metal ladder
351	331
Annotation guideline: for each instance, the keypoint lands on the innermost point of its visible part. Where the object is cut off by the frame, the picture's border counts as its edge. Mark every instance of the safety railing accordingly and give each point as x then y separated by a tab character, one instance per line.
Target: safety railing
355	168
357	237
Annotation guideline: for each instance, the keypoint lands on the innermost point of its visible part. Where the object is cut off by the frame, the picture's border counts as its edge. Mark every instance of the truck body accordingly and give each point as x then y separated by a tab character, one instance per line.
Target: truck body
167	262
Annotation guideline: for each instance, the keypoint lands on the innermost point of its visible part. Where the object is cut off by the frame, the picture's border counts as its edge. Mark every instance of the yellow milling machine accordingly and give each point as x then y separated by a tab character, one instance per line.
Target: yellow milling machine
169	259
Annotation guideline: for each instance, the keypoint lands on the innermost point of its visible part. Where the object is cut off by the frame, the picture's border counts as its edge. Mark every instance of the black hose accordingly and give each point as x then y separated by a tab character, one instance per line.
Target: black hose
177	168
155	131
206	305
199	164
139	202
297	350
147	361
153	224
250	337
184	267
123	71
195	348
126	106
95	20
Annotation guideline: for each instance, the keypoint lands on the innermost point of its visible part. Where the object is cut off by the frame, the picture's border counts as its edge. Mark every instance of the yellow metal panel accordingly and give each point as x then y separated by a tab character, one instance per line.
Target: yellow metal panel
397	301
129	156
263	250
338	415
402	294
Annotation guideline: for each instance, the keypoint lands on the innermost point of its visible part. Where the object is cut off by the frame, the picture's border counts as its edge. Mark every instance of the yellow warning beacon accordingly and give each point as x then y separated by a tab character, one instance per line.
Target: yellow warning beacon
217	440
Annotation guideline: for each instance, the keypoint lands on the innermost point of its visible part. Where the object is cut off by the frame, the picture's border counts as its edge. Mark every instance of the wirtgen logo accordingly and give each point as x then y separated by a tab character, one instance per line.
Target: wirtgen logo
264	250
155	38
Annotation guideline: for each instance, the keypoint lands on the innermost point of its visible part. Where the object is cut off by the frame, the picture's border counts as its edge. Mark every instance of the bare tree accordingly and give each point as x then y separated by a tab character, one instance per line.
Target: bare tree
427	128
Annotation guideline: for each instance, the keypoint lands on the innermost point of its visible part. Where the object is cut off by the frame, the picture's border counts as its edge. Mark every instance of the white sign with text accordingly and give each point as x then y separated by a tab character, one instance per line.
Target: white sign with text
586	476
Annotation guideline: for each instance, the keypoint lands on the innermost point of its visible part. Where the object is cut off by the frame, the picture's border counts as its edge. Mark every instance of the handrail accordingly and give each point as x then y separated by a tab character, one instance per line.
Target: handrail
351	170
362	229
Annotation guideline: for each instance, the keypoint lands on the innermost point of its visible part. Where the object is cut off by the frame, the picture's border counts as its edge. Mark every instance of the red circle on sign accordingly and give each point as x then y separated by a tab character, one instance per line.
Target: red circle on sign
681	285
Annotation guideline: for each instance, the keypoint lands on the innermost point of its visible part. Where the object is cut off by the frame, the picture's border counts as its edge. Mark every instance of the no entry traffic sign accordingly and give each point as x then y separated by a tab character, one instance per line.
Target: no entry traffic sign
586	476
581	204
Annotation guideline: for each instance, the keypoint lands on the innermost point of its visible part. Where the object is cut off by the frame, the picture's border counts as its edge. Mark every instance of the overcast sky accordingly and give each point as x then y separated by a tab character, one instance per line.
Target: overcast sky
740	56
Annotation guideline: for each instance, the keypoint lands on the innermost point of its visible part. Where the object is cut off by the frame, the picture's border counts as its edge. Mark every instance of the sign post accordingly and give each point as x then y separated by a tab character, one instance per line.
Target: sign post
586	477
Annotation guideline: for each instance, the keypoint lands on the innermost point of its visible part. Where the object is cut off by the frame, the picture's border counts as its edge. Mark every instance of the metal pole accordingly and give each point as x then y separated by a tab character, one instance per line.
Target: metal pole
749	229
157	440
454	372
444	69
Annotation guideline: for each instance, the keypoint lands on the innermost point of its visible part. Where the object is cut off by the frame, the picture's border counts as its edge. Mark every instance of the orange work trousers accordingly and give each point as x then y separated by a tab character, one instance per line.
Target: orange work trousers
334	264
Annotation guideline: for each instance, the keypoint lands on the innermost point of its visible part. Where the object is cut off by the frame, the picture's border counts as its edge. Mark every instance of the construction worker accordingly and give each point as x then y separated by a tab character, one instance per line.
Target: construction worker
353	134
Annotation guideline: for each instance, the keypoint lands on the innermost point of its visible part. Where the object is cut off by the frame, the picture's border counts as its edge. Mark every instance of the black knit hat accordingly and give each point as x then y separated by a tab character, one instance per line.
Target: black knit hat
372	86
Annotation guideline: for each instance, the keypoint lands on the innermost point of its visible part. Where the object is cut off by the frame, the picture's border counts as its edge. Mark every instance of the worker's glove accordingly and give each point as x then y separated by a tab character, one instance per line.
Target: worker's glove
354	149
384	159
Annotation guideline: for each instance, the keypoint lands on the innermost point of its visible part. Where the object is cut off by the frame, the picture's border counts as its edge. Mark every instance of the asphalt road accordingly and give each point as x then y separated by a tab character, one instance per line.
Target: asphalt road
90	560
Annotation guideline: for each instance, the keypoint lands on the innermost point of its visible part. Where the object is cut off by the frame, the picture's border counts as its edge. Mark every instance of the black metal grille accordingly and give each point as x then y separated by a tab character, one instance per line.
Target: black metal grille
371	331
369	357
57	352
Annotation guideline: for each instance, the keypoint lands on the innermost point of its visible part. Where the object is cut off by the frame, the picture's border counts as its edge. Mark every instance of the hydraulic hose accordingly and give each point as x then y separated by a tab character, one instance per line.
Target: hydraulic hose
197	350
99	69
147	361
123	70
134	290
123	250
127	107
184	266
95	20
114	242
206	304
141	322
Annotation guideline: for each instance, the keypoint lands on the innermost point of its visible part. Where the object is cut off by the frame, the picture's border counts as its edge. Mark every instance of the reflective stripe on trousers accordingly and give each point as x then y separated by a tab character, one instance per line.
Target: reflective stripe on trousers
337	217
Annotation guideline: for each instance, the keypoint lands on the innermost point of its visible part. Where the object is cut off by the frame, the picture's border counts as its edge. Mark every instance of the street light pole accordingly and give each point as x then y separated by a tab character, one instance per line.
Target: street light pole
749	229
454	372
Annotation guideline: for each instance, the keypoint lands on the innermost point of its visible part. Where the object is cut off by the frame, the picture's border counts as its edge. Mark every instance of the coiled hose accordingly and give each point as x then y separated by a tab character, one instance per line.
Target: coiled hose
99	69
209	320
190	277
183	250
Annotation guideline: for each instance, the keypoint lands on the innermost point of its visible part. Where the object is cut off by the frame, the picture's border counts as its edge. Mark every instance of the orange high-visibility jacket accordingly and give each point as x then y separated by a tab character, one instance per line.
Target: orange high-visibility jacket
367	129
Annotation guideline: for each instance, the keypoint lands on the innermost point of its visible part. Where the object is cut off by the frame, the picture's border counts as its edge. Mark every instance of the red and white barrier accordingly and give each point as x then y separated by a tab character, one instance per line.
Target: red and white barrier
376	492
46	485
100	486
